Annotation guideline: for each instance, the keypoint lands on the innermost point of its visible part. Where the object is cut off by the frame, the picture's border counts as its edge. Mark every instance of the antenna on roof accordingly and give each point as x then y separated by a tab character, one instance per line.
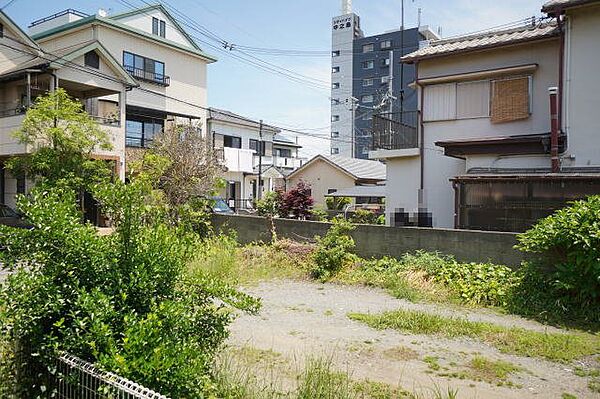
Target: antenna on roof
346	7
439	31
102	13
419	12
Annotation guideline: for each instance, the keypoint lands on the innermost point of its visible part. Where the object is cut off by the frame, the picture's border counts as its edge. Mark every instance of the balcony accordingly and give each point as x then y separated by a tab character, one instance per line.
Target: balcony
236	159
397	131
148	76
286	162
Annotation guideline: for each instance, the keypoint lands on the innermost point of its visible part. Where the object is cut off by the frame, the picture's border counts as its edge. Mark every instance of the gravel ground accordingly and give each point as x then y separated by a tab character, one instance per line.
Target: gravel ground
301	319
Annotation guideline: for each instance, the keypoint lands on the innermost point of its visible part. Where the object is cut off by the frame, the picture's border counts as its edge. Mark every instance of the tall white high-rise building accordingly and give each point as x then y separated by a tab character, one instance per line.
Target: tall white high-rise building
344	29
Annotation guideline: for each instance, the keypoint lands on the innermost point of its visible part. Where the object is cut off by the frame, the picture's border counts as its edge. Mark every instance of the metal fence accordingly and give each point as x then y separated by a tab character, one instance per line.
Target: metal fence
78	379
395	131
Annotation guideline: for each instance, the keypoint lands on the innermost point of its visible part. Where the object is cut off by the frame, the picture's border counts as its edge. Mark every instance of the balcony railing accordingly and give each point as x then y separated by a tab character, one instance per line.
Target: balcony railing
148	76
395	131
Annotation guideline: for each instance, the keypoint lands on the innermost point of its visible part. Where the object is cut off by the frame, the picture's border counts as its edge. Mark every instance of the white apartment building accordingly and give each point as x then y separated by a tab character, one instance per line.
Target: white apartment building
136	72
249	151
486	153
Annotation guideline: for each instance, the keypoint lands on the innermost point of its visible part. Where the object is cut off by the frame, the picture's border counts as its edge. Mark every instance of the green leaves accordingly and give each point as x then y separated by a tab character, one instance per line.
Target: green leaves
570	238
333	250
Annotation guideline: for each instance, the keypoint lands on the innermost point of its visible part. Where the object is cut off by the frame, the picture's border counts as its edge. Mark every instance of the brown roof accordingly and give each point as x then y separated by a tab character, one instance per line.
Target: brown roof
228	116
554	5
481	41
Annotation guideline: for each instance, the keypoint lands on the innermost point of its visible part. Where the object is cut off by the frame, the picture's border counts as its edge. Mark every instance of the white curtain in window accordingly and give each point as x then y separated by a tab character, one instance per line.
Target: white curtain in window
473	99
440	102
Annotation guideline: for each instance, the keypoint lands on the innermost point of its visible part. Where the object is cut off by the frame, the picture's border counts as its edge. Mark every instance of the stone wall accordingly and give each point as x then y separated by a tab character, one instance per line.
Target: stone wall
379	241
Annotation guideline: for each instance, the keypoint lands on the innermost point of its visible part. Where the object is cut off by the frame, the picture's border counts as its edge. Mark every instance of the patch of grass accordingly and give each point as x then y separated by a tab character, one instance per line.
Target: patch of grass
252	355
400	353
492	371
328	312
223	258
568	396
432	362
555	347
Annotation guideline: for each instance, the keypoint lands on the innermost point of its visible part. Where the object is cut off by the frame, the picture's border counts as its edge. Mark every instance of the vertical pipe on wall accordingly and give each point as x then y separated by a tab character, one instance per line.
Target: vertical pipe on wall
554	128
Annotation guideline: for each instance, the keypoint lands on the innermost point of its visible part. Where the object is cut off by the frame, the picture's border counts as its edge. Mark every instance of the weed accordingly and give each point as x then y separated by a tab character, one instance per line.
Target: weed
328	312
555	347
400	353
432	362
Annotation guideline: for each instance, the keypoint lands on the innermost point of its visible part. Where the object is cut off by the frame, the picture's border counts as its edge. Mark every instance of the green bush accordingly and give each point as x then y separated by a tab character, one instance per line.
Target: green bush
570	238
270	204
333	250
337	203
318	215
363	216
121	301
475	283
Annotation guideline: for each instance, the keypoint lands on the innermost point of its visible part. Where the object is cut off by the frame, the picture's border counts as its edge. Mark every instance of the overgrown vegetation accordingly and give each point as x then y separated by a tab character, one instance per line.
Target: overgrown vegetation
551	346
333	250
570	238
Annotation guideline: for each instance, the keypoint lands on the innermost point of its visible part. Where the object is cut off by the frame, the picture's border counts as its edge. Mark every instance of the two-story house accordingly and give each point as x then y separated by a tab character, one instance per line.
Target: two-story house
501	140
135	72
251	151
87	71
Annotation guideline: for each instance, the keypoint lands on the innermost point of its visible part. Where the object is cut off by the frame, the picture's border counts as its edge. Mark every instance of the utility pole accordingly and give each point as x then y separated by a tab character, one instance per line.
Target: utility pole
353	134
260	148
402	64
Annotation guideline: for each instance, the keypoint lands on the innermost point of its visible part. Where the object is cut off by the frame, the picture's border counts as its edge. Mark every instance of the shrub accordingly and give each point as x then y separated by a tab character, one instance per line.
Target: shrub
337	203
333	250
318	215
363	216
297	202
571	240
475	283
121	301
270	204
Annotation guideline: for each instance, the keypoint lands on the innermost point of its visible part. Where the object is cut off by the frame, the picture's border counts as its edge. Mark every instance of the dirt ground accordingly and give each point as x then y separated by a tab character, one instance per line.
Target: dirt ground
304	319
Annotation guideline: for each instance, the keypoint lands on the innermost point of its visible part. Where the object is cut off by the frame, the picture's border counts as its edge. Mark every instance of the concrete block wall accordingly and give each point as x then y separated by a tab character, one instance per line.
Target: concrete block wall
379	241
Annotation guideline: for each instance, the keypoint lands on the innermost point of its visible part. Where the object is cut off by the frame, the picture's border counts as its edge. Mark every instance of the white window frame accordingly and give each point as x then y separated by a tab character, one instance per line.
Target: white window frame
367	82
370	64
386	44
335	85
335	118
335	69
367	99
368	48
335	53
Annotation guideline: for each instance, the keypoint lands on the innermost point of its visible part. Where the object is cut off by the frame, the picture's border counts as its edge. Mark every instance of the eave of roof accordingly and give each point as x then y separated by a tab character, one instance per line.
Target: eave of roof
489	40
115	24
339	167
551	7
12	25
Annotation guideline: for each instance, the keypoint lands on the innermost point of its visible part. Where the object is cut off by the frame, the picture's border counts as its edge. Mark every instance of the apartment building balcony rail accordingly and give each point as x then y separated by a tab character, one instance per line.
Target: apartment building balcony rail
148	76
395	131
288	162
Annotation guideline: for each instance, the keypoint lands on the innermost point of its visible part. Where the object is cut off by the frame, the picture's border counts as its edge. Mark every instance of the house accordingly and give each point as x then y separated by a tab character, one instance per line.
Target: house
483	152
250	149
327	174
135	72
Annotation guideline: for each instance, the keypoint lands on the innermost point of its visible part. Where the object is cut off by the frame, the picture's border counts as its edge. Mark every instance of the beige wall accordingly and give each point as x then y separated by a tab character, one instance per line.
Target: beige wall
582	88
9	58
322	176
438	195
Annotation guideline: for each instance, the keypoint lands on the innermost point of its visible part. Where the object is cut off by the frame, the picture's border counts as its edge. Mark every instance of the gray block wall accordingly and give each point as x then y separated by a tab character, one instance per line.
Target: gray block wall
379	241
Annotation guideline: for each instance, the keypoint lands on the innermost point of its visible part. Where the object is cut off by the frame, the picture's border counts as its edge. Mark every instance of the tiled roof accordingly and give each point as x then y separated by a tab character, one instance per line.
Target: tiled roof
485	40
227	116
362	169
554	4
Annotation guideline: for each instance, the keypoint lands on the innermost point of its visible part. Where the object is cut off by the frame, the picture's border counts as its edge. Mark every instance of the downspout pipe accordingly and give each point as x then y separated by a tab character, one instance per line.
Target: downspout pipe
421	133
561	66
554	128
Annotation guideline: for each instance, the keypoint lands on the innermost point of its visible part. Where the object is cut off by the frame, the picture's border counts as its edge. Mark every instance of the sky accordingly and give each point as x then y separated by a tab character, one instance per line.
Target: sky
299	25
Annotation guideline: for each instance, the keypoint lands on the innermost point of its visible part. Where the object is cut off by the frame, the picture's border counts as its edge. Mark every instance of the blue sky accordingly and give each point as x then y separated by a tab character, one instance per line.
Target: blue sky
286	24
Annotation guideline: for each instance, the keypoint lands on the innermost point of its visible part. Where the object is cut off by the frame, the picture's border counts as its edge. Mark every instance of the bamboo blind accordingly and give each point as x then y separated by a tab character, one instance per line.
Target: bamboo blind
510	99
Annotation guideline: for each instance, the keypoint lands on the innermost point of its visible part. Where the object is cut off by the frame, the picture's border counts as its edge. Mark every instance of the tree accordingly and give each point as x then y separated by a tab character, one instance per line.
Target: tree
297	202
64	138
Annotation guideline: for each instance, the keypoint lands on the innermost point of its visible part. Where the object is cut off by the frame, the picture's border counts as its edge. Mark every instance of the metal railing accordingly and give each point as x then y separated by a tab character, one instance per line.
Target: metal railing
59	14
395	131
148	76
79	379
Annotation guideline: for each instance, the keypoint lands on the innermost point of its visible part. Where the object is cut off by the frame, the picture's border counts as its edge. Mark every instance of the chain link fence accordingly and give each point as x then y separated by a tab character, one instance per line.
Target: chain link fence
78	379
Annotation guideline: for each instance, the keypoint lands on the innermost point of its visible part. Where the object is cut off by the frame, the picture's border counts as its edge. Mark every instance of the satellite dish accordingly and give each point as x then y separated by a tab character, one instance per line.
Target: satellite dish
102	13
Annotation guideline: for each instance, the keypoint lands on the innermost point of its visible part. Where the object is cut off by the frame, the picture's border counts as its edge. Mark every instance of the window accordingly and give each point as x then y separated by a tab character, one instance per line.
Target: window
367	48
386	44
367	82
232	142
335	101
440	102
503	100
368	64
367	99
331	190
335	69
335	118
385	80
258	146
335	53
145	68
473	99
335	85
158	27
92	59
335	151
385	62
141	132
335	134
367	116
510	99
283	152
